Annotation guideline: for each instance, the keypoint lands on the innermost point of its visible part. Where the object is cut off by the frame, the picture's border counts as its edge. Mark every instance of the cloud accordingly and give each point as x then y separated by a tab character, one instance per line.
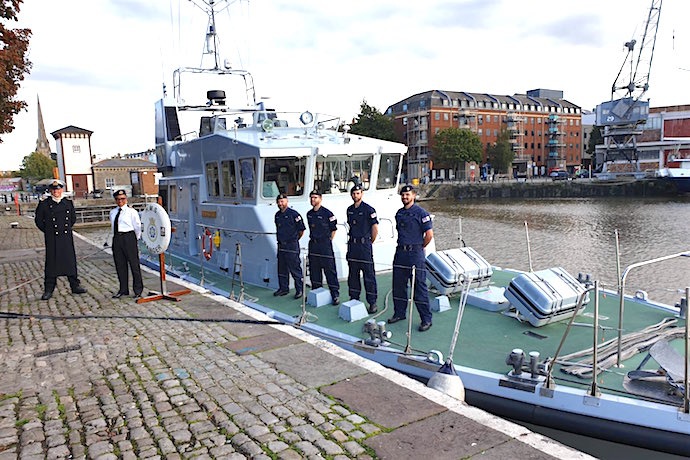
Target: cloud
138	9
583	29
473	14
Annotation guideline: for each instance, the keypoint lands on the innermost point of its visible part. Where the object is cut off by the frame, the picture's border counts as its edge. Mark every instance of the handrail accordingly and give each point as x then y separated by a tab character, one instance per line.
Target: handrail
621	293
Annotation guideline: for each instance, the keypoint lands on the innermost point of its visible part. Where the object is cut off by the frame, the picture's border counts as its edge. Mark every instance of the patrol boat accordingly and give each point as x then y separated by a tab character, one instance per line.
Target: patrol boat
544	347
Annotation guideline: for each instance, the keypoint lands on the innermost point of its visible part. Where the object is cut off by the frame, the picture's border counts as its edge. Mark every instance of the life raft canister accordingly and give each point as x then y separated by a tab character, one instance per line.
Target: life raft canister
155	226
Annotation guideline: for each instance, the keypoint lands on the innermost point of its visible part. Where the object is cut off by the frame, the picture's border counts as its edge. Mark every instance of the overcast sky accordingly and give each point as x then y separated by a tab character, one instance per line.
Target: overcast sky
100	64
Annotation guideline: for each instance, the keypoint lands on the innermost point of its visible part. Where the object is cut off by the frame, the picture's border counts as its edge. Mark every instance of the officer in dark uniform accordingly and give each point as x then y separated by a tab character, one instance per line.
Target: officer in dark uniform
322	227
55	218
289	229
414	233
364	227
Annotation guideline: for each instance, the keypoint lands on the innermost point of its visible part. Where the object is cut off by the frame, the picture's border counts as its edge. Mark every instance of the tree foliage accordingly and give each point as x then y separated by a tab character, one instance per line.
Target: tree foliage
14	64
455	146
372	123
36	167
595	138
500	154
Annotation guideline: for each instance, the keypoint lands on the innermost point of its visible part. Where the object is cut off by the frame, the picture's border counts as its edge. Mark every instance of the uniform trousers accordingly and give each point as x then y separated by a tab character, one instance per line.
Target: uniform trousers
126	253
360	258
402	274
51	281
289	264
322	259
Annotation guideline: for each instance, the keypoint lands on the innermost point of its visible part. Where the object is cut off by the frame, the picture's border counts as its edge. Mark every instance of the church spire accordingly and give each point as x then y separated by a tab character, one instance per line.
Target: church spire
42	145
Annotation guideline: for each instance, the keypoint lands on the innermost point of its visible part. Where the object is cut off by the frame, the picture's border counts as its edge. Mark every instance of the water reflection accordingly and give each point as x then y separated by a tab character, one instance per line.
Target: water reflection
578	235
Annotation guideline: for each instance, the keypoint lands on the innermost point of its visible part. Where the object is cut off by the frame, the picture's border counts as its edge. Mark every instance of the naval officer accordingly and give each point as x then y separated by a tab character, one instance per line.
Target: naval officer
414	233
289	229
322	227
126	226
364	227
55	218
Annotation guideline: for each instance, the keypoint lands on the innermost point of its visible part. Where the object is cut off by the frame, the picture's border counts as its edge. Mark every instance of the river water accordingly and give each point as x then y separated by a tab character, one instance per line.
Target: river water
578	235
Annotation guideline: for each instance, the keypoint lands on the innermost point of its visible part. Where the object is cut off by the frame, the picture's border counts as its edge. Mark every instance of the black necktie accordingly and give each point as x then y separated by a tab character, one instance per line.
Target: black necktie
117	218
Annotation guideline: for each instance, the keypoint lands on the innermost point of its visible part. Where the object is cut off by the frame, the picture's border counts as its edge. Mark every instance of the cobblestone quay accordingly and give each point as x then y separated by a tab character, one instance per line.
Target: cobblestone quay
88	376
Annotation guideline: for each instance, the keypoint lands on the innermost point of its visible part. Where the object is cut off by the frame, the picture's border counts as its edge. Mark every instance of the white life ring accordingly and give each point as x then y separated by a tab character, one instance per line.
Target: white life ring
155	226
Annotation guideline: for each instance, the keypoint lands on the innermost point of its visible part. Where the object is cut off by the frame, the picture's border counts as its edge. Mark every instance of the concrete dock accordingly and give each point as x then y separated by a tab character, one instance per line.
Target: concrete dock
88	376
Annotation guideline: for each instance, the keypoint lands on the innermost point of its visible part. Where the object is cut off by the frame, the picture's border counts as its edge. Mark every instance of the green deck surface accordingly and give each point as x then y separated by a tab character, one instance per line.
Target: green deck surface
486	338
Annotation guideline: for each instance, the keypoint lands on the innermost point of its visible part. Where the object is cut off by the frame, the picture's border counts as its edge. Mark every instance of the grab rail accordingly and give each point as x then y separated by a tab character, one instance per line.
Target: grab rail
621	293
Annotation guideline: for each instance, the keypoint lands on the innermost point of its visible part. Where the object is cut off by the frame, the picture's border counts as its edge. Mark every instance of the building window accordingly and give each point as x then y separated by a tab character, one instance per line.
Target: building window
437	116
479	131
109	182
495	132
76	149
445	116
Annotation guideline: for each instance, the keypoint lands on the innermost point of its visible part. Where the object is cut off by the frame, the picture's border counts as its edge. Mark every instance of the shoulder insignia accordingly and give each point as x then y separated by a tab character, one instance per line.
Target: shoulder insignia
426	219
331	219
373	215
298	218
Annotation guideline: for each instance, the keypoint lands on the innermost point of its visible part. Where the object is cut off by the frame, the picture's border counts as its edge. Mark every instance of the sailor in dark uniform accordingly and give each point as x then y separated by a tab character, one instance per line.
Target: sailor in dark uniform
289	229
55	218
364	227
414	233
322	227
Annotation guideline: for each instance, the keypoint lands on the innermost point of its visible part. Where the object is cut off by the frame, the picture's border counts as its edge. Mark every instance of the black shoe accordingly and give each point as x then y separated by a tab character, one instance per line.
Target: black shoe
46	295
280	293
78	290
117	295
372	309
298	295
424	327
137	296
395	319
335	301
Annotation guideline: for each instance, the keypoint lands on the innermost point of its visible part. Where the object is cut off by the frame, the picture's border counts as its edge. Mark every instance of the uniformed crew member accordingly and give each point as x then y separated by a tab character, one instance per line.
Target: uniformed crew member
364	227
126	226
55	218
322	227
289	229
414	233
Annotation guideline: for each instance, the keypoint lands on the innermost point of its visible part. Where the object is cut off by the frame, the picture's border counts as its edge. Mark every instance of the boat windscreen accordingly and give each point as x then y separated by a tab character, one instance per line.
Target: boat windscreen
339	173
283	175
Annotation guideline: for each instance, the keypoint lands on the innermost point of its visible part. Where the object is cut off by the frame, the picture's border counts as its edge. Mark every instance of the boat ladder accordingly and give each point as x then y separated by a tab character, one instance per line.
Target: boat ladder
237	274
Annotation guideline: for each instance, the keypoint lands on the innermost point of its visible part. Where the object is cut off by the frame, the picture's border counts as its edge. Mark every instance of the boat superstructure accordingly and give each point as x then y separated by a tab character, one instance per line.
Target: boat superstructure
226	158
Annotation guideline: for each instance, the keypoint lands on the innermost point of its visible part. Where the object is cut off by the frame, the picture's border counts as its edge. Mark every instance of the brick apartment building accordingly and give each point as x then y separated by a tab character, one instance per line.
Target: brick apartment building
545	129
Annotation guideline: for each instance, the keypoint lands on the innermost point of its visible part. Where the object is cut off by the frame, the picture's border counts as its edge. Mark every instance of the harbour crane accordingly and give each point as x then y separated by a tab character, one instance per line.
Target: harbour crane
623	116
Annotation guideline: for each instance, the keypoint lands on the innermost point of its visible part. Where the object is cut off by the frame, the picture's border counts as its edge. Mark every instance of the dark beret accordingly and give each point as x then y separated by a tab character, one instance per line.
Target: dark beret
407	188
356	187
315	192
282	196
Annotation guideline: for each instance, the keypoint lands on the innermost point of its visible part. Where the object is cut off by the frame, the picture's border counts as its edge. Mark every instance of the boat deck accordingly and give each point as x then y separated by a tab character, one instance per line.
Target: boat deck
485	338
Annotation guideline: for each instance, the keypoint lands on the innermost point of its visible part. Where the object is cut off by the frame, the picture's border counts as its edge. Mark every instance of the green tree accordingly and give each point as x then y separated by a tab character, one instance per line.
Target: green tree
372	123
36	167
14	64
595	138
500	154
456	146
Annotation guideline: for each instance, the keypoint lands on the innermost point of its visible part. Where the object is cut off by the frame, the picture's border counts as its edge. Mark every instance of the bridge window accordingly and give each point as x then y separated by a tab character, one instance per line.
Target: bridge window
212	184
388	170
283	175
227	176
247	176
339	173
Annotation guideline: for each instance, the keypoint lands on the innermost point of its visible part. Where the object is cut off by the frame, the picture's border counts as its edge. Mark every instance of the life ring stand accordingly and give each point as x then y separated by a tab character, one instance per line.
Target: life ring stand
207	235
155	225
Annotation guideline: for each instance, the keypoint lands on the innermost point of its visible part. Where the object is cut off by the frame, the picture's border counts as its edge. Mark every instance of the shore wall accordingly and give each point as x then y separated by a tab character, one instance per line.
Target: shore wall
581	188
